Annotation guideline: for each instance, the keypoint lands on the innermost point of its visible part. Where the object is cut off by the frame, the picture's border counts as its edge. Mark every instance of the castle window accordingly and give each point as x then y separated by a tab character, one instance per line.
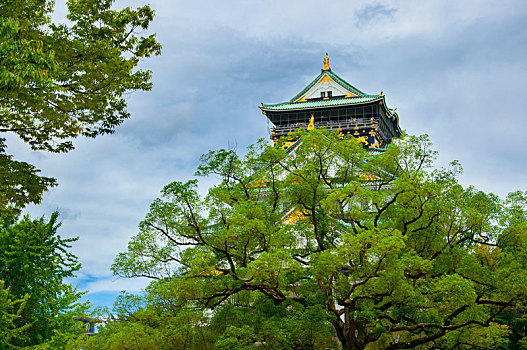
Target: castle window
323	94
330	93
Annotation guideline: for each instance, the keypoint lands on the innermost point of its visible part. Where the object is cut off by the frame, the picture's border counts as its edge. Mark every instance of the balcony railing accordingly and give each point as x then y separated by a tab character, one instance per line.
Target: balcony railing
329	125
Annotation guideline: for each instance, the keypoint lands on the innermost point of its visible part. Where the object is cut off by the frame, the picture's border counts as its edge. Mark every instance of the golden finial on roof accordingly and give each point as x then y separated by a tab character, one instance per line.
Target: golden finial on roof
311	125
326	62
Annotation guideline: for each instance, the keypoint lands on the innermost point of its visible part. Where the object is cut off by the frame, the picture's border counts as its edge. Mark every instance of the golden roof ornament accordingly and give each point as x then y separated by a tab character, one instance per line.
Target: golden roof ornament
311	125
326	62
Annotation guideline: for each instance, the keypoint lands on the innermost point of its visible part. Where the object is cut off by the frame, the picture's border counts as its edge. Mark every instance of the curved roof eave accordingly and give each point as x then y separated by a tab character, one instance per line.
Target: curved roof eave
348	85
297	96
392	113
321	104
337	79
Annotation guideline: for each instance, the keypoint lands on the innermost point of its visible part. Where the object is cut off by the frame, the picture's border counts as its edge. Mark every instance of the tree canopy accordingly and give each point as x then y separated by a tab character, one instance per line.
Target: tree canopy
153	321
36	304
392	252
57	82
61	81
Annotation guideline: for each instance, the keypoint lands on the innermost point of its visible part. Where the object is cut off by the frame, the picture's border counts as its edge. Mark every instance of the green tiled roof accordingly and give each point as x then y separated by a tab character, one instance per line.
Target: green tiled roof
374	151
320	104
348	85
337	79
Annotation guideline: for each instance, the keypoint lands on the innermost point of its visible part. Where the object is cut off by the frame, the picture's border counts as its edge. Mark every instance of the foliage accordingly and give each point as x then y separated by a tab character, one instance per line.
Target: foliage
60	81
153	321
34	261
136	324
287	325
10	313
20	184
394	253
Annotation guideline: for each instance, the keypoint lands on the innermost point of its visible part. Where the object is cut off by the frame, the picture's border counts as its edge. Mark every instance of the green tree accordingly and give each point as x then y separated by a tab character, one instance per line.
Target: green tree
141	322
157	321
34	261
395	253
259	320
20	183
61	81
10	313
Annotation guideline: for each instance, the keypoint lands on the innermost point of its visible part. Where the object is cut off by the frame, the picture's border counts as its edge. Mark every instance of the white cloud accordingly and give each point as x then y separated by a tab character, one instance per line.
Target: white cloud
117	285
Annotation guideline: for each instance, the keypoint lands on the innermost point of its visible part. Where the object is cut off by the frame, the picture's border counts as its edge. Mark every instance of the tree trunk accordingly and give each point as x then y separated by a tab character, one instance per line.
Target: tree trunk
346	335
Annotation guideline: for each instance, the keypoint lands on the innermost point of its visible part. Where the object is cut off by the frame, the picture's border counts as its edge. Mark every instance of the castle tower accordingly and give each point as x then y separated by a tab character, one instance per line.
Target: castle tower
330	102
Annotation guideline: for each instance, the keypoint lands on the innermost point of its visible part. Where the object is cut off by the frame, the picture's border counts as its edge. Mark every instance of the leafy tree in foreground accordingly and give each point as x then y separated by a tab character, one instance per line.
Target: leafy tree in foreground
20	184
61	81
134	325
10	313
156	321
391	252
36	305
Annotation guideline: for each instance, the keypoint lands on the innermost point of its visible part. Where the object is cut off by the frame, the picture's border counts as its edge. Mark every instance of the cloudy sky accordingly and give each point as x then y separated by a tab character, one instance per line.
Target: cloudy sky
455	70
